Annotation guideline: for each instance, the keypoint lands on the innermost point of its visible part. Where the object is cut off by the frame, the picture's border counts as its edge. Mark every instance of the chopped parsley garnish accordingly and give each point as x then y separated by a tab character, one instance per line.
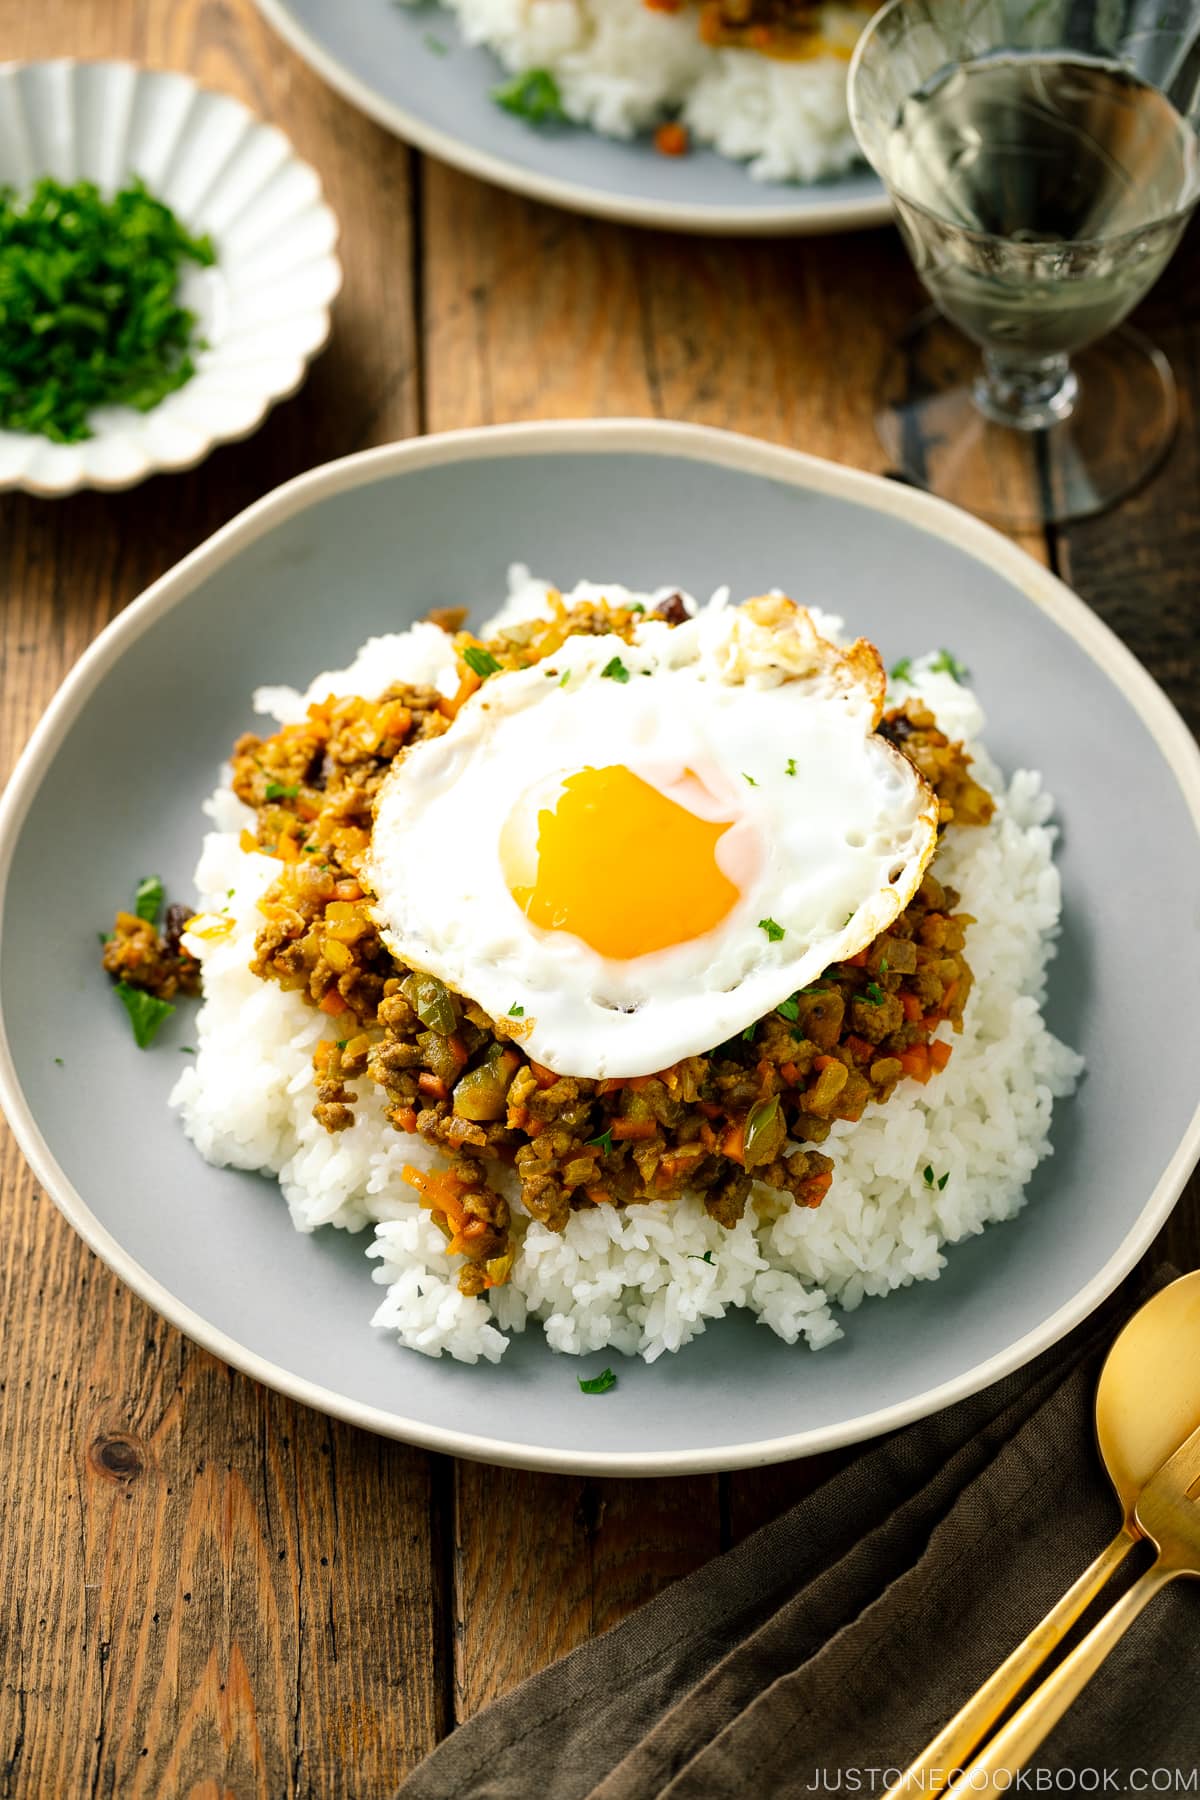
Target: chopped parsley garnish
148	898
901	671
282	790
941	1180
146	1013
695	1256
874	995
602	1143
928	1173
598	1384
533	96
789	1009
748	1034
791	766
615	670
749	779
773	930
516	1012
90	316
946	663
481	662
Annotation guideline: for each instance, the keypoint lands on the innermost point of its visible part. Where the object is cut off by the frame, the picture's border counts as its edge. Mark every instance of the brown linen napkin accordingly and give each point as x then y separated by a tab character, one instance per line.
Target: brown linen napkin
824	1651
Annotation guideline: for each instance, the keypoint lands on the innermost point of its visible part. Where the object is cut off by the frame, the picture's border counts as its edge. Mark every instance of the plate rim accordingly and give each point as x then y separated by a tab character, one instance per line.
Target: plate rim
785	219
719	448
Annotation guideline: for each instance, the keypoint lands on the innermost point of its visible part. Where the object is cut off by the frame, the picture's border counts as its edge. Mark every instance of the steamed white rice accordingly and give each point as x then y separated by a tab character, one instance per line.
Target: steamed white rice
622	67
649	1278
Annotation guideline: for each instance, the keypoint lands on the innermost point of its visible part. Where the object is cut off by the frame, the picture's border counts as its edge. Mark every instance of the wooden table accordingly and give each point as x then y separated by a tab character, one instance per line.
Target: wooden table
208	1591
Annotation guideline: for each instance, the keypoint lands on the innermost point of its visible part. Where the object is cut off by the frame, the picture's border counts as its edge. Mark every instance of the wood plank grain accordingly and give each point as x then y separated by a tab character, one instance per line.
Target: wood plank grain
532	313
207	1590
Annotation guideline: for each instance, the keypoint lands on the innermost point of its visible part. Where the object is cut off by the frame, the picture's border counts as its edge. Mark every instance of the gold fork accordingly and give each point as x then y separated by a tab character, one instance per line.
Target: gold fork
1170	1517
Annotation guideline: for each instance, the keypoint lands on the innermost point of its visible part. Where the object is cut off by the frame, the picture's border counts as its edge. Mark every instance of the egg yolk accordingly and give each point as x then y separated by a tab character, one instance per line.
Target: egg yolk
617	863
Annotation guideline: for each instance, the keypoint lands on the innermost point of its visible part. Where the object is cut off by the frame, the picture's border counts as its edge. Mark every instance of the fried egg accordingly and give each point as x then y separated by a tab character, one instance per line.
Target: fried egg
634	851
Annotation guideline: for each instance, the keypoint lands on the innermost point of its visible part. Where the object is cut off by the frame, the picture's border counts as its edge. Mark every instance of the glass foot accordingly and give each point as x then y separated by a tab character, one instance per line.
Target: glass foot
1121	420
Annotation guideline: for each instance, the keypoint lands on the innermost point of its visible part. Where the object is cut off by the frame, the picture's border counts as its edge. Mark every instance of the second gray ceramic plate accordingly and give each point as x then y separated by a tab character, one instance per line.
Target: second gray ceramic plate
111	786
407	67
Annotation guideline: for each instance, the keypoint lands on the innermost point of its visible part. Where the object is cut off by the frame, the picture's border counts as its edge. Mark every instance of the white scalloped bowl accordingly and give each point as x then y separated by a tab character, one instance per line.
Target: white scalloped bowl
262	310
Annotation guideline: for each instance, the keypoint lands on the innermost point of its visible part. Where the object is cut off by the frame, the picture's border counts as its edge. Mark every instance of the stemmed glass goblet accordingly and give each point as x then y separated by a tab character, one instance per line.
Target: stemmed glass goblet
1042	163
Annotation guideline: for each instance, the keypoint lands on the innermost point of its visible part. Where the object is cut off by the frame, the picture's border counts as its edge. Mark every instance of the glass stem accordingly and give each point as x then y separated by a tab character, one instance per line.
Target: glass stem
1029	393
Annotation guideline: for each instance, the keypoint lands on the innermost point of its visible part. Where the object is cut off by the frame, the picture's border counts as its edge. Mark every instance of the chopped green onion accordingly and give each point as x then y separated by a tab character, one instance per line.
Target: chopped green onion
282	790
928	1173
598	1384
946	663
901	671
481	662
615	670
791	766
146	1013
695	1256
533	96
874	995
516	1012
148	898
789	1009
604	1142
749	778
748	1034
773	930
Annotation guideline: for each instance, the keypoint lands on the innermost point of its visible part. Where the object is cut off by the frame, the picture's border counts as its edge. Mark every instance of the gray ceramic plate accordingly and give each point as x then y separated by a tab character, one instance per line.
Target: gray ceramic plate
377	53
112	781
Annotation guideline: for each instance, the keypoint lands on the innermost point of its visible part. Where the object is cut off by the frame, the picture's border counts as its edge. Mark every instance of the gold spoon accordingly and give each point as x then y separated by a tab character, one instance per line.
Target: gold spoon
1147	1404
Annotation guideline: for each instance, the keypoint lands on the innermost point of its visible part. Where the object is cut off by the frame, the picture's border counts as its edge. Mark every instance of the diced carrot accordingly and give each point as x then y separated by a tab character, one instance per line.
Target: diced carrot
825	1062
859	1048
348	890
544	1077
287	848
940	1054
534	1128
467	686
323	1054
676	1163
709	1108
332	1003
856	962
949	992
790	1073
458	1051
733	1143
248	842
912	1007
814	1190
915	1062
671	139
598	1196
433	1085
517	1119
633	1129
440	1190
406	1118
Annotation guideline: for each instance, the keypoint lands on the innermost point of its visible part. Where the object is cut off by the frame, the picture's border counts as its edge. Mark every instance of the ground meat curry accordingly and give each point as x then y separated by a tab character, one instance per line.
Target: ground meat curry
751	1110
